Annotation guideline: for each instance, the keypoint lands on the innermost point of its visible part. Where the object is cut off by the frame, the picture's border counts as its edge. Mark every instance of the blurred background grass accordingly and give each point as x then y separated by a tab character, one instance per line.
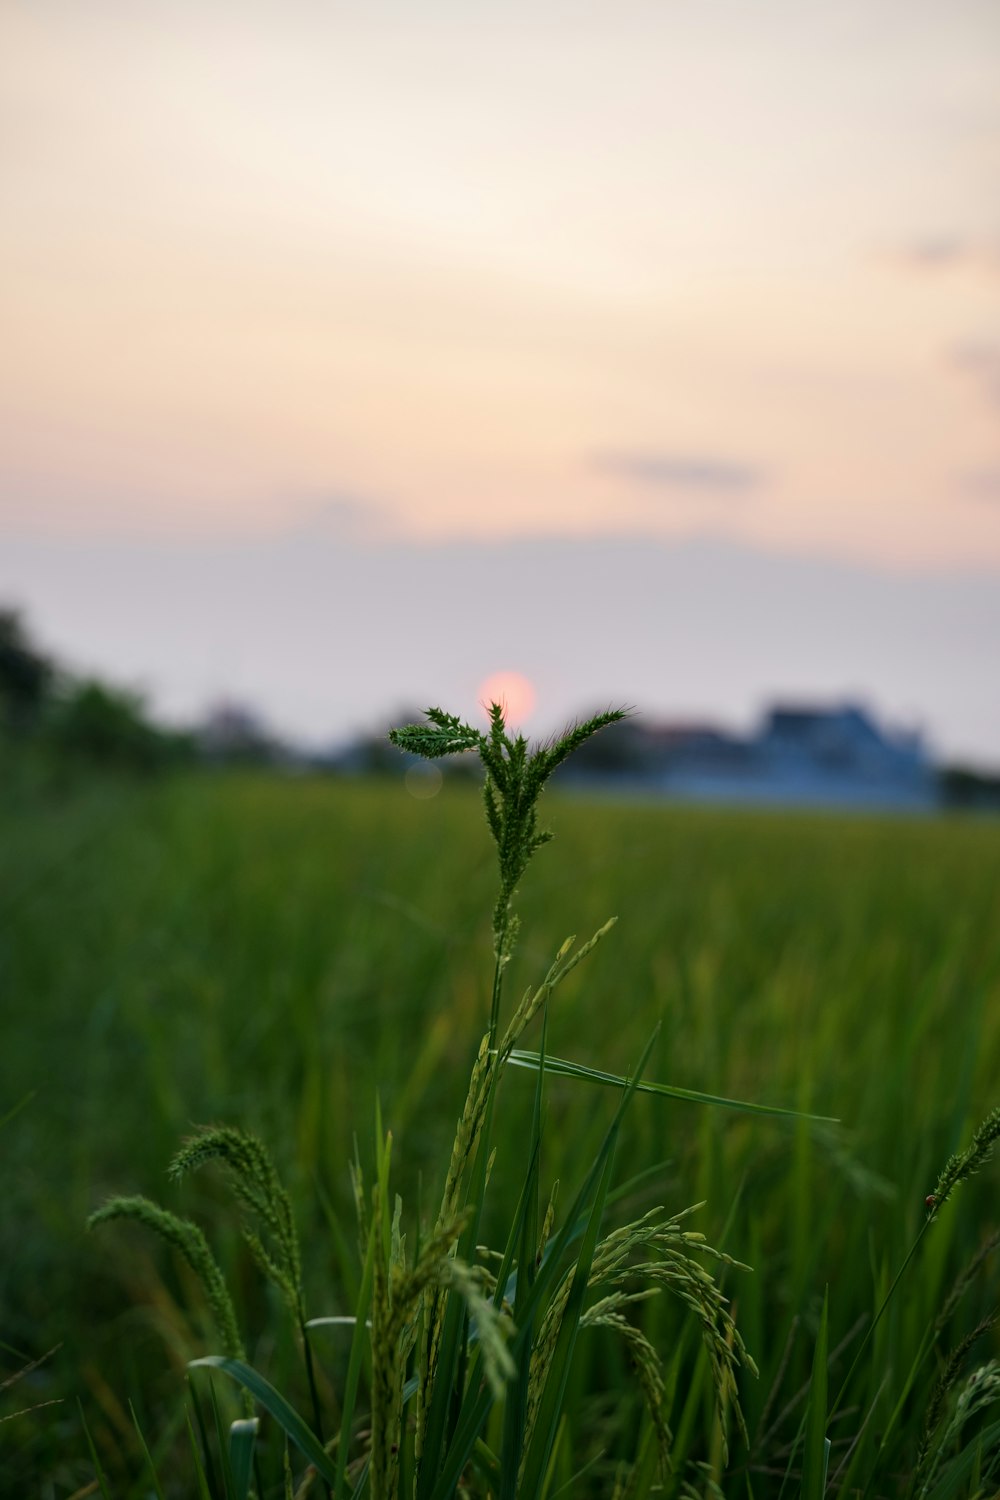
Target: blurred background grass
270	952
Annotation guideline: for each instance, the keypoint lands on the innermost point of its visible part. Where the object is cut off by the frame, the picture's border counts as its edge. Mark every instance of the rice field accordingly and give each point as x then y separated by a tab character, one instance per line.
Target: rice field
277	953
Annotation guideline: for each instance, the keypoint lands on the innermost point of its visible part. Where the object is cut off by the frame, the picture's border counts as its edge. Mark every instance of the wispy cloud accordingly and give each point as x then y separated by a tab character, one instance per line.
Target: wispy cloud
980	360
949	251
345	518
981	484
694	472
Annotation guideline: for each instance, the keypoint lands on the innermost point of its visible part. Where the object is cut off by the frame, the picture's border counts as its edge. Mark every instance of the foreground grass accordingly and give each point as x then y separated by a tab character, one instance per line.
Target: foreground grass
267	952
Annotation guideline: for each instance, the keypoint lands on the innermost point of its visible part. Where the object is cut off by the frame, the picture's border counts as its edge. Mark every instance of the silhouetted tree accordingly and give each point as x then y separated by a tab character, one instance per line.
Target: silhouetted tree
26	676
106	725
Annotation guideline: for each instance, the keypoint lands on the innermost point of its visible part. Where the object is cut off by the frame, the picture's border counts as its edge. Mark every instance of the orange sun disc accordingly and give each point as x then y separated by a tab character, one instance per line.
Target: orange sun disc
512	691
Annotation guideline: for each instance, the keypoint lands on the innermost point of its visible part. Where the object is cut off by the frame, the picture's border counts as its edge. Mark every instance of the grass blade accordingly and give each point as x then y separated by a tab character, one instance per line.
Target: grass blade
540	1450
222	1446
242	1437
283	1413
204	1489
448	1379
516	1402
564	1069
358	1344
98	1470
206	1447
146	1452
817	1445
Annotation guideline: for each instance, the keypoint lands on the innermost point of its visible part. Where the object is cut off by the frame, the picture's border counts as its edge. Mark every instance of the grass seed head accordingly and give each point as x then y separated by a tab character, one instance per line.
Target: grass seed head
965	1164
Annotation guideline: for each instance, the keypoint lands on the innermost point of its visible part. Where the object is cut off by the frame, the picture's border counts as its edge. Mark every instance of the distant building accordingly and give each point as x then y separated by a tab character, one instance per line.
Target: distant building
840	755
801	754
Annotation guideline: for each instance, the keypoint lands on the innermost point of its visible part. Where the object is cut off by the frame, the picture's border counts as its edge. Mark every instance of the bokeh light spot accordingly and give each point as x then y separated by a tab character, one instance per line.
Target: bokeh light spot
423	781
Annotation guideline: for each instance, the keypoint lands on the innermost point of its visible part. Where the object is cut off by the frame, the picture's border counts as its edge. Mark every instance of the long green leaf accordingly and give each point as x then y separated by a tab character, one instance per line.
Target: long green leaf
242	1437
564	1069
817	1445
549	1268
487	1463
540	1450
98	1470
354	1367
516	1402
225	1466
204	1489
206	1448
145	1448
272	1401
453	1351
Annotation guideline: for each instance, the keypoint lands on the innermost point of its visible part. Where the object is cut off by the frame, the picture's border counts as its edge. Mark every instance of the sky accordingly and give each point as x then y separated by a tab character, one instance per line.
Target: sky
645	303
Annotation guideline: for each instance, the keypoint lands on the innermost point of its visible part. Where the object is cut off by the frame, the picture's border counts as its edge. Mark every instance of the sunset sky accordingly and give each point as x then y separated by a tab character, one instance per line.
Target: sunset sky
409	278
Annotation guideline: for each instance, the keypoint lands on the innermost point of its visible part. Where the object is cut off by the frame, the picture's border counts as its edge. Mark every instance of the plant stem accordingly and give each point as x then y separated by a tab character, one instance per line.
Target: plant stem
497	987
877	1319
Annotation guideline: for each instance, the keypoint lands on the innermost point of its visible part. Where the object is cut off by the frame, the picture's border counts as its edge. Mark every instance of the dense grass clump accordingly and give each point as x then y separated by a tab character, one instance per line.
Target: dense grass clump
269	953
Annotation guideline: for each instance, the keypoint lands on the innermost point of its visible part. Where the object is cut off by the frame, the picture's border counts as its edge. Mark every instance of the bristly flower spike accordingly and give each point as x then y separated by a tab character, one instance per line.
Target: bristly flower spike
965	1163
515	776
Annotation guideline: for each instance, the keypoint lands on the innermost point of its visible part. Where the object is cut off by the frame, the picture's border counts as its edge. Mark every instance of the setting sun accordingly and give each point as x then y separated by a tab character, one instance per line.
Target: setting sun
513	691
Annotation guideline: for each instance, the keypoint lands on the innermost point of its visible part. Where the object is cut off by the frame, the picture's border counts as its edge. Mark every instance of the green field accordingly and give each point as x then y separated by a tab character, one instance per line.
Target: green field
272	952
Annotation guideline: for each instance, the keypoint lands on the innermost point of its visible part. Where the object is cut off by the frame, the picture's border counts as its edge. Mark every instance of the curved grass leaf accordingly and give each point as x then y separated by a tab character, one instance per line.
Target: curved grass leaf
564	1069
344	1320
285	1414
297	1429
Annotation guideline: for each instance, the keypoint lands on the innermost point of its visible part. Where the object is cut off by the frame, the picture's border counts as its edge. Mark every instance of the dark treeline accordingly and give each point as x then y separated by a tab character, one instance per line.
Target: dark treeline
50	713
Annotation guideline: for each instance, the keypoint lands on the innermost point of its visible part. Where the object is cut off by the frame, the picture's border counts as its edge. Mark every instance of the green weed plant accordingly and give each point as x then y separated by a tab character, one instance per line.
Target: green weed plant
471	1349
